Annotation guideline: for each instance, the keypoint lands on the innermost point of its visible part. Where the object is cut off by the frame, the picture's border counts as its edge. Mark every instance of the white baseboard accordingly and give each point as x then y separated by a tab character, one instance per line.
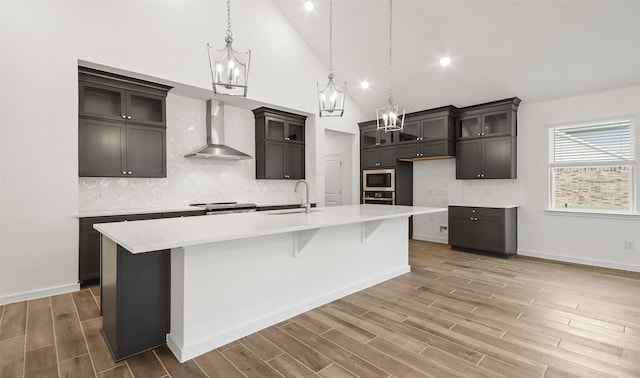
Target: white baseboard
431	239
39	293
579	260
183	353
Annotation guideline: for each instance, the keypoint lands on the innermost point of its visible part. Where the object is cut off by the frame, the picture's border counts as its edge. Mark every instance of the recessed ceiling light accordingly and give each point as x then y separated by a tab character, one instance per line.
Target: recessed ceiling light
445	61
308	6
364	84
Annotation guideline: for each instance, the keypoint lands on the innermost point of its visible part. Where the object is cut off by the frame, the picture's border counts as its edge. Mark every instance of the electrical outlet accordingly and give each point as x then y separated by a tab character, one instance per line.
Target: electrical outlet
628	244
443	228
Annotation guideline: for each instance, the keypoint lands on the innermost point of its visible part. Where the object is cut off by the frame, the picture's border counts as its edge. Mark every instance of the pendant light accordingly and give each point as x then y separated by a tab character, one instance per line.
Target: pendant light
331	96
229	68
389	118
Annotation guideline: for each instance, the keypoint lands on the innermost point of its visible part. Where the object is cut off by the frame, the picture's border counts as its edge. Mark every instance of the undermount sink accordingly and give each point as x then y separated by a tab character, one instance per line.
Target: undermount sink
291	211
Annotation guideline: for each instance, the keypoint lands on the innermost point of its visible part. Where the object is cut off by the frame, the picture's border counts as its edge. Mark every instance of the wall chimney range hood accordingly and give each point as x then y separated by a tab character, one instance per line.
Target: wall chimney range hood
215	148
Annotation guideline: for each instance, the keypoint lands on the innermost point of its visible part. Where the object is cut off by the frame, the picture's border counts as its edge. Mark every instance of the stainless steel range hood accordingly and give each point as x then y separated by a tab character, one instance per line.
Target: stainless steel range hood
215	148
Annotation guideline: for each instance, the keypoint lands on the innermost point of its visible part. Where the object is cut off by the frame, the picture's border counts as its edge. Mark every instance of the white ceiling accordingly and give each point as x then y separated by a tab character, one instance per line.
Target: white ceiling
536	50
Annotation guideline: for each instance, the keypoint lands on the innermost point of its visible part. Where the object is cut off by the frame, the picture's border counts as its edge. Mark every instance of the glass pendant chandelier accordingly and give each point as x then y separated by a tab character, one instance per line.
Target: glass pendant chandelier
331	96
389	117
229	68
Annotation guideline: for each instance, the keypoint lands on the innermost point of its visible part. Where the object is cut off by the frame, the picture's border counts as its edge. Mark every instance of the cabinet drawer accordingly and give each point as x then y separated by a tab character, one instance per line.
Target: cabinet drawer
464	211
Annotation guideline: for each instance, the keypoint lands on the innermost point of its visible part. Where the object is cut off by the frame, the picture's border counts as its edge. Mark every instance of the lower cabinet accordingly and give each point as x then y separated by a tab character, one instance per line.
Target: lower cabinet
135	299
484	229
89	243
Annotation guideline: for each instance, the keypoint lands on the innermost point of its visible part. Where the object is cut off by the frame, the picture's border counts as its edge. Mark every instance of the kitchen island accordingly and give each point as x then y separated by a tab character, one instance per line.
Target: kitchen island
235	274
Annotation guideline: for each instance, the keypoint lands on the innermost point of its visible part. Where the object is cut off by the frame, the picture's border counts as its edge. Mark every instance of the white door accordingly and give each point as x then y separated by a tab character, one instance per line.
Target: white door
333	180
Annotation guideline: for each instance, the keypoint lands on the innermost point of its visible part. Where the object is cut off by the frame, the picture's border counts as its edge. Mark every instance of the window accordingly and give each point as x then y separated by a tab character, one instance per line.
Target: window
592	167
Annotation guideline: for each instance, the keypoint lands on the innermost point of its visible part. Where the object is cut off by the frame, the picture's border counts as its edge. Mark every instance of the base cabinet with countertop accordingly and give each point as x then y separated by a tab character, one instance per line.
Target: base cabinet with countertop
89	243
486	229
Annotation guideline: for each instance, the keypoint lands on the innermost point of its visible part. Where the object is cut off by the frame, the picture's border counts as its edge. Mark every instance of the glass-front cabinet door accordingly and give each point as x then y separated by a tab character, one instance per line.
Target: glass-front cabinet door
369	138
295	132
410	132
145	108
434	129
386	139
101	101
468	127
274	129
498	123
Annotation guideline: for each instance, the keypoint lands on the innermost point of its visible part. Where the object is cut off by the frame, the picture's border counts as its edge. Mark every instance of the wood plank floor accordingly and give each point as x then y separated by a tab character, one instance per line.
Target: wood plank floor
455	315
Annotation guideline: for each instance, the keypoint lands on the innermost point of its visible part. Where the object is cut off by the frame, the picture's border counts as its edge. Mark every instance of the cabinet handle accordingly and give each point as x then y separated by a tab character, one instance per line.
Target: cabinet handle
475	219
286	176
124	172
479	134
287	138
129	172
482	175
124	116
478	175
128	117
473	211
471	218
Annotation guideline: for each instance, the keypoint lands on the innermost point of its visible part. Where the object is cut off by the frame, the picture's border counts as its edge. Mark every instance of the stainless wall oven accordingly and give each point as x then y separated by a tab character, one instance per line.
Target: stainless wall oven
379	186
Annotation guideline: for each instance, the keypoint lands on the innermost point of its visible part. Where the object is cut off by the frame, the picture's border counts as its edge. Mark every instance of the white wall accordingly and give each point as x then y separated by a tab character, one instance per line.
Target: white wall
588	239
41	45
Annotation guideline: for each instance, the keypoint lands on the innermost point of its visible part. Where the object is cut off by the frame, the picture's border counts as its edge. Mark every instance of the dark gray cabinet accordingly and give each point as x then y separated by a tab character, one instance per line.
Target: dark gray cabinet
116	149
378	157
89	243
113	103
121	126
377	148
428	135
487	140
484	229
280	146
135	298
486	158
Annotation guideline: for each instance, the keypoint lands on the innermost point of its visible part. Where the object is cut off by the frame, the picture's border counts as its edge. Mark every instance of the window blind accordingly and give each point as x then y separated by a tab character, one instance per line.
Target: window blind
611	142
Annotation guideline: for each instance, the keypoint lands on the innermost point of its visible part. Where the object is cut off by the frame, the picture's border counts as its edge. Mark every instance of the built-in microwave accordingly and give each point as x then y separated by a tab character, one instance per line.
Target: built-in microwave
380	180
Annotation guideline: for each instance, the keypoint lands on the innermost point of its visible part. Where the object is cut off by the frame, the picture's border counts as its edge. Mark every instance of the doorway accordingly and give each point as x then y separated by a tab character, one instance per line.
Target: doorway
333	179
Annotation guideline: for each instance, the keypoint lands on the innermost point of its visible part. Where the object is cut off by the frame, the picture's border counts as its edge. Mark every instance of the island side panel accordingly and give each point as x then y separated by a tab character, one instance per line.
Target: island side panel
135	304
234	288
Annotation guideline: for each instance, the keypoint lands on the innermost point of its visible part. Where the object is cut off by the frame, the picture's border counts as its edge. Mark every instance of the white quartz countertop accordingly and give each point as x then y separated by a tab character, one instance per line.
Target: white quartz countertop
476	204
129	211
157	234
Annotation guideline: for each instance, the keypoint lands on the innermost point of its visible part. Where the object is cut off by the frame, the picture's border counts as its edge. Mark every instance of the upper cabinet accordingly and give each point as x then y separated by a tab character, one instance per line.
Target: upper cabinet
280	146
370	136
377	148
428	135
486	141
121	126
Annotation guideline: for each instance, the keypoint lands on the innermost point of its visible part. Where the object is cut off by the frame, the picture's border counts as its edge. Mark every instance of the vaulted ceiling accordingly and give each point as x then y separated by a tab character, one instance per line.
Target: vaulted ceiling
536	50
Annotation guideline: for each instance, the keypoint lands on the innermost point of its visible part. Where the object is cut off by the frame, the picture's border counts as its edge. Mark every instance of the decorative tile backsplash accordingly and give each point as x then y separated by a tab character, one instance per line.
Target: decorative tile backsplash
191	180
